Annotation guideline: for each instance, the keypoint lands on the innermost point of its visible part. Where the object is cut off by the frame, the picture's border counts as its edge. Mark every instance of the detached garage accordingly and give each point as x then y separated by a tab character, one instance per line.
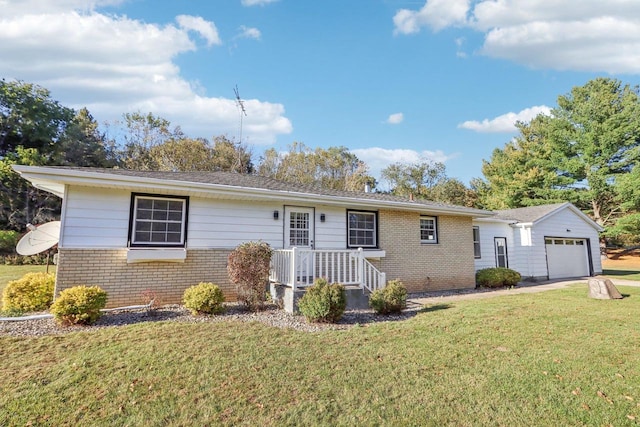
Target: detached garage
543	242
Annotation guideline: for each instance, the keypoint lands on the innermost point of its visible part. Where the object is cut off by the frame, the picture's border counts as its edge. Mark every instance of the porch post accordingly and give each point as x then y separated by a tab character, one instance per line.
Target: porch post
361	275
292	268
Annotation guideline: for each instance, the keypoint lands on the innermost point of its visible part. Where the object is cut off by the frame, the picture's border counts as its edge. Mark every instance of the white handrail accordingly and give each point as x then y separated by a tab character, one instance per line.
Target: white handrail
300	267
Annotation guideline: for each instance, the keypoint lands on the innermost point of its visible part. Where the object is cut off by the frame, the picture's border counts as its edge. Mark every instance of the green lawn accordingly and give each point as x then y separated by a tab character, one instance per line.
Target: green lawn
622	274
553	358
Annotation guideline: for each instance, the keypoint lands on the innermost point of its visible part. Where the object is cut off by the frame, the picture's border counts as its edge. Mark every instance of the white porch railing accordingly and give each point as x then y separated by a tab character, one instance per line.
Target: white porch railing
297	267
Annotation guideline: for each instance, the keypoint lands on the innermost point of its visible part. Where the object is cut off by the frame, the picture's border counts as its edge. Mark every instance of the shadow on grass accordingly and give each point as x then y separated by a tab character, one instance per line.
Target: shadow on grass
621	273
127	317
436	307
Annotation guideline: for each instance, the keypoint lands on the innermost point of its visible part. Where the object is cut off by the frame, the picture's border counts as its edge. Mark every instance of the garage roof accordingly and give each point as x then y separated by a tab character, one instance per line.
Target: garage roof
534	214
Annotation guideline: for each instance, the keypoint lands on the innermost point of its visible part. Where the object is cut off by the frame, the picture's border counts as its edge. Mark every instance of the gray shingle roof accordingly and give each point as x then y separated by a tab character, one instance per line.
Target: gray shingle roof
260	182
528	214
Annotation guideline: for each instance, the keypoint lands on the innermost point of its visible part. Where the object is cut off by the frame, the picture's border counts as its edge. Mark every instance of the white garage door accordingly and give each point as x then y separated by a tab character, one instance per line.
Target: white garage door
567	257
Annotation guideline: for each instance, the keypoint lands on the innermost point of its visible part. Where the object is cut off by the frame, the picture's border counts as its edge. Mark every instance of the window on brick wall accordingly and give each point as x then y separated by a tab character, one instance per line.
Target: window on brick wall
428	229
158	221
362	229
476	243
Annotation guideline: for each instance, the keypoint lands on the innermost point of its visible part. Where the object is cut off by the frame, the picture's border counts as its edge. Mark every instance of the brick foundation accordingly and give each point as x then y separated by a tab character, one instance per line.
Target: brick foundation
125	283
449	264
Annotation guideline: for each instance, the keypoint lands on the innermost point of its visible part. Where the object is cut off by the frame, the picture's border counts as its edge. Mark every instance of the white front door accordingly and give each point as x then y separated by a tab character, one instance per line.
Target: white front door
298	227
299	233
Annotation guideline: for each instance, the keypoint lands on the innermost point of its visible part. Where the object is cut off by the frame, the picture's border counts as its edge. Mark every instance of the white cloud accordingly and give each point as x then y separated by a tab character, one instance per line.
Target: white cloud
506	122
206	29
395	119
249	33
436	14
12	8
379	158
113	64
595	36
459	43
256	2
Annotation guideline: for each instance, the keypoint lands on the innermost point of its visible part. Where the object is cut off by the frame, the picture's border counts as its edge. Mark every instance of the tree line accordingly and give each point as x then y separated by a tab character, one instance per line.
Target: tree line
37	130
585	151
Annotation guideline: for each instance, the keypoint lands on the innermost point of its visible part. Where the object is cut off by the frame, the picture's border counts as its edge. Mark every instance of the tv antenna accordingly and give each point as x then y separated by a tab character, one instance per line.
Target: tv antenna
243	112
240	105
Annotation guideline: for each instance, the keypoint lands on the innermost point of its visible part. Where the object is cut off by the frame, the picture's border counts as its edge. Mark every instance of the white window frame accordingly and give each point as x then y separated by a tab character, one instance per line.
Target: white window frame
374	231
477	254
136	222
433	230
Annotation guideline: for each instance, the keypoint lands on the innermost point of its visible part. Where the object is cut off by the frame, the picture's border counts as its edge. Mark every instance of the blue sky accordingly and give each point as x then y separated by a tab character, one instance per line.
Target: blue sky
392	80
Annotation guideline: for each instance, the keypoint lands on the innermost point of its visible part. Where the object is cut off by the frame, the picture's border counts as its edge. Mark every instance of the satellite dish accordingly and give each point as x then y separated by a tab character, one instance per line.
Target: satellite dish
39	239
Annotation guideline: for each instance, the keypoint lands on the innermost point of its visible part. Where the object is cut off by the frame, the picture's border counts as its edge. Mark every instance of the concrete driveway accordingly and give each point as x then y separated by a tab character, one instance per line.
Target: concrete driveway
522	288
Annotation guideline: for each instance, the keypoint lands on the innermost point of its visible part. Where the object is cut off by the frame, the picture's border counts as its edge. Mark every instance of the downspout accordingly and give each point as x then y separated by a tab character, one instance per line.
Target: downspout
529	244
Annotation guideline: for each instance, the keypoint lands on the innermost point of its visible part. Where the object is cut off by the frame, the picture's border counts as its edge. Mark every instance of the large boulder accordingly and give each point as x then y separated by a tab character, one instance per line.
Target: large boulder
603	289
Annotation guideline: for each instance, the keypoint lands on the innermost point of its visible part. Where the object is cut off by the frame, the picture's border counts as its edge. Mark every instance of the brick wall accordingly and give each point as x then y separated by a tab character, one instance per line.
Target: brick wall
449	264
125	283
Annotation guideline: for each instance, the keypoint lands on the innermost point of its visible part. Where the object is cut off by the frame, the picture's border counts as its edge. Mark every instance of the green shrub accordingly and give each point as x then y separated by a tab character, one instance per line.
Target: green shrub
248	267
390	299
8	241
32	292
204	298
79	305
497	277
15	259
323	302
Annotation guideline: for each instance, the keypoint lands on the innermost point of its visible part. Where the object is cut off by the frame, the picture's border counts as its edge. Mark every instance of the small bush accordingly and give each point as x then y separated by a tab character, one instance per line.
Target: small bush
8	241
248	267
204	298
32	292
323	303
390	299
151	299
497	277
15	259
79	305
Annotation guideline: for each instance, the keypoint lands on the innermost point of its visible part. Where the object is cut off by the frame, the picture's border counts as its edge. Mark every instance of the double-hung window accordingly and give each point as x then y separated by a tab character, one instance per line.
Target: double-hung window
158	221
428	229
476	243
362	229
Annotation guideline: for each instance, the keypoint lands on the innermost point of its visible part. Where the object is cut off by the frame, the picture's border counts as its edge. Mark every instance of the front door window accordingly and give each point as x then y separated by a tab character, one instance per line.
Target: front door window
501	252
298	227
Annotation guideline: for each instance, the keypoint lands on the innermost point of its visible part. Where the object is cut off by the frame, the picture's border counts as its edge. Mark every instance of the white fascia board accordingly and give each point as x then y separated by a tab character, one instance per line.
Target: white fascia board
517	224
489	219
48	178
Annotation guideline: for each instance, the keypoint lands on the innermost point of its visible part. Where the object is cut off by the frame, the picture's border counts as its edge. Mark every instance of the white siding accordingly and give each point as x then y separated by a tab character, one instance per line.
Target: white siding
332	233
522	251
99	218
489	231
95	218
557	226
226	224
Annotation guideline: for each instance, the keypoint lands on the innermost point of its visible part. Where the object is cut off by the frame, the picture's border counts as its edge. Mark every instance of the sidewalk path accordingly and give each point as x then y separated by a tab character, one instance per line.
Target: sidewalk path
528	288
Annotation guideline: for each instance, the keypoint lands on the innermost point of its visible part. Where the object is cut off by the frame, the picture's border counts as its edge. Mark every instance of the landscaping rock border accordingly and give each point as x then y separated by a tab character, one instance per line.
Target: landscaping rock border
272	316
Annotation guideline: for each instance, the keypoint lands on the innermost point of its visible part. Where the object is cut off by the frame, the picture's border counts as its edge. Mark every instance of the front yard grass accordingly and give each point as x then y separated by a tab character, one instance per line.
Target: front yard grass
619	273
553	358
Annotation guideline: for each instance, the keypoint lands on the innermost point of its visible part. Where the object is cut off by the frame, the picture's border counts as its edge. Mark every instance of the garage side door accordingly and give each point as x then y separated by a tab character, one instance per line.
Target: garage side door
567	258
